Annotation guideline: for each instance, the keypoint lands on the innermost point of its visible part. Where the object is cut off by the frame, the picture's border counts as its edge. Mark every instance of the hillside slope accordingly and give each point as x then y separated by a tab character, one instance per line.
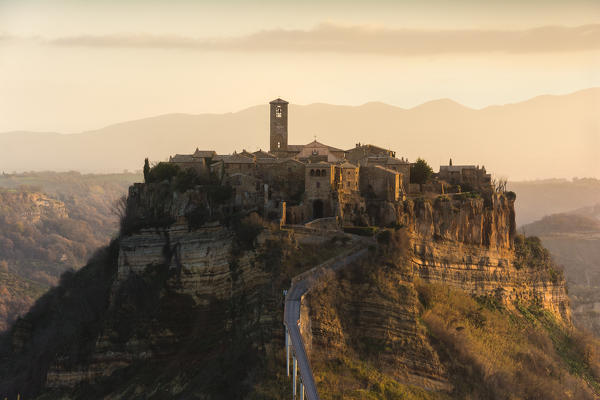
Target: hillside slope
49	223
574	242
450	304
539	198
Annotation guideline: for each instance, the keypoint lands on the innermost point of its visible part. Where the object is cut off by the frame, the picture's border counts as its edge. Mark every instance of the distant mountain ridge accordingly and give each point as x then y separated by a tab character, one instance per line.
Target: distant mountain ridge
546	136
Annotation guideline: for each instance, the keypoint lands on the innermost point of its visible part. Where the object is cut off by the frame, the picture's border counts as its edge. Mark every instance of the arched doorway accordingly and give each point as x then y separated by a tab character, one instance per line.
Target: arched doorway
318	209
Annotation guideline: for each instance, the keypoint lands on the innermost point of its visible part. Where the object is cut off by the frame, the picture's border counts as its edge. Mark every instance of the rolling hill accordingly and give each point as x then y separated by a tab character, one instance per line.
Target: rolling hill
547	136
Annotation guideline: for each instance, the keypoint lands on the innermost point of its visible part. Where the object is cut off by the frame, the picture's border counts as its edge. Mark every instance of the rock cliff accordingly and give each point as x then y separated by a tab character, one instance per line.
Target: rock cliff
189	301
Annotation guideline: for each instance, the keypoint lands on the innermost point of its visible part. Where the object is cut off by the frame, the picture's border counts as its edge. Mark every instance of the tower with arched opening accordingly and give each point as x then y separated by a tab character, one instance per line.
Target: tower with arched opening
279	125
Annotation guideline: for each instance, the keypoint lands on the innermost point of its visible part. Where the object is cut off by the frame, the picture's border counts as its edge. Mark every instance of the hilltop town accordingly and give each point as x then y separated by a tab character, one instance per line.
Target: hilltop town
299	183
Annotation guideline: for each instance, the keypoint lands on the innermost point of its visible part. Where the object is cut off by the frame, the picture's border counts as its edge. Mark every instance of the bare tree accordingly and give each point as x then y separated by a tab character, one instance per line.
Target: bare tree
499	184
119	207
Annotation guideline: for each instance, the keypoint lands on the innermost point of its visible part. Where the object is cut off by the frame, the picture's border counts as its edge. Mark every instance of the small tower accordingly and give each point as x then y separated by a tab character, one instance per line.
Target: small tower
279	125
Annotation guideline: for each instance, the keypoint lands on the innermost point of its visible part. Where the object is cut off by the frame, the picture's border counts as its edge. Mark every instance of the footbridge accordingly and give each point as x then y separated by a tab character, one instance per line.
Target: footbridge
294	345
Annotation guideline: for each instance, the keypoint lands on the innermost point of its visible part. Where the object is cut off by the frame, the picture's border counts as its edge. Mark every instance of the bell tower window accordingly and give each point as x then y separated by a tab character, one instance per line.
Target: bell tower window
278	112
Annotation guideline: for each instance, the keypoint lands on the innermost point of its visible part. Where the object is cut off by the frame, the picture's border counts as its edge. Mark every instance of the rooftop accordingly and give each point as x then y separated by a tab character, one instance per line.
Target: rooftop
204	153
180	158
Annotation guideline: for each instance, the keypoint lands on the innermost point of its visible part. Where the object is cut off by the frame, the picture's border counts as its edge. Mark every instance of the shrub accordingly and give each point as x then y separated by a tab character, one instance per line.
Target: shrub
162	171
247	229
512	196
420	172
146	170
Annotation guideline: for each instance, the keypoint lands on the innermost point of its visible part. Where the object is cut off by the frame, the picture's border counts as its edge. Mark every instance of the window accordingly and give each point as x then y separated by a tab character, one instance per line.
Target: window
323	172
318	183
312	172
318	173
278	145
278	112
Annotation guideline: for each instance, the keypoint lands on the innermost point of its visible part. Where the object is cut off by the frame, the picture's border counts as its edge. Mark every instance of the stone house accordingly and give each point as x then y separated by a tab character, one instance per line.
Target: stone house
247	190
346	177
378	182
200	160
319	188
360	153
469	177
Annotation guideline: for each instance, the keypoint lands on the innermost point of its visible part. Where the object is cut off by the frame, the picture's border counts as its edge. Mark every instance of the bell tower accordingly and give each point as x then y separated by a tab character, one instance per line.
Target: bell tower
279	125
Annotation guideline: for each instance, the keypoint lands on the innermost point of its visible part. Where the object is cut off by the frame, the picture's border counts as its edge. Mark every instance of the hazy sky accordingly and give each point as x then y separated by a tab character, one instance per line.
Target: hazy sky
69	66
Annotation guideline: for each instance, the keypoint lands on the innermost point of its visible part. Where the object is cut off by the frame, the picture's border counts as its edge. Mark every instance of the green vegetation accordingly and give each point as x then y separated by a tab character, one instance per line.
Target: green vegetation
530	252
17	294
341	376
152	208
49	223
488	348
146	170
420	171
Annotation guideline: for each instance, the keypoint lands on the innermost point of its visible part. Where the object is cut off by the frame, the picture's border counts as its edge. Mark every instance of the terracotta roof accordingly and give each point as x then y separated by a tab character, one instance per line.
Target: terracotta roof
263	154
347	165
386	160
292	160
204	153
295	147
182	158
278	101
314	143
267	161
318	164
234	159
392	171
456	168
277	161
370	146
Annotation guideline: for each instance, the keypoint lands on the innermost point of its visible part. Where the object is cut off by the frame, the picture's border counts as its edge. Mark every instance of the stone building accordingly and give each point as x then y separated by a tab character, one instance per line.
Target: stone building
468	177
316	180
346	177
319	188
360	153
234	163
400	165
247	190
279	127
378	182
200	160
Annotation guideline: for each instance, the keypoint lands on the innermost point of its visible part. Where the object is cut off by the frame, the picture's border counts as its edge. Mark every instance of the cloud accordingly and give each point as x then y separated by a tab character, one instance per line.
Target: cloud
331	38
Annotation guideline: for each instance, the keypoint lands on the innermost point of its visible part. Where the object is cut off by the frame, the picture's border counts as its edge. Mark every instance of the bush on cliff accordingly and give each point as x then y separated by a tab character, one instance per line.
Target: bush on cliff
420	172
499	354
531	253
162	171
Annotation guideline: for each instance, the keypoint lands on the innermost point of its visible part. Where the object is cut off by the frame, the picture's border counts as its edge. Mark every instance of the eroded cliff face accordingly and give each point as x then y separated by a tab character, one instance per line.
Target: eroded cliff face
483	271
187	288
487	221
466	244
190	278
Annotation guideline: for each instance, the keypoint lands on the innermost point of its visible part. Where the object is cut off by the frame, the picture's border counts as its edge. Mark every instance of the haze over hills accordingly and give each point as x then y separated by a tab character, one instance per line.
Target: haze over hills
547	136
